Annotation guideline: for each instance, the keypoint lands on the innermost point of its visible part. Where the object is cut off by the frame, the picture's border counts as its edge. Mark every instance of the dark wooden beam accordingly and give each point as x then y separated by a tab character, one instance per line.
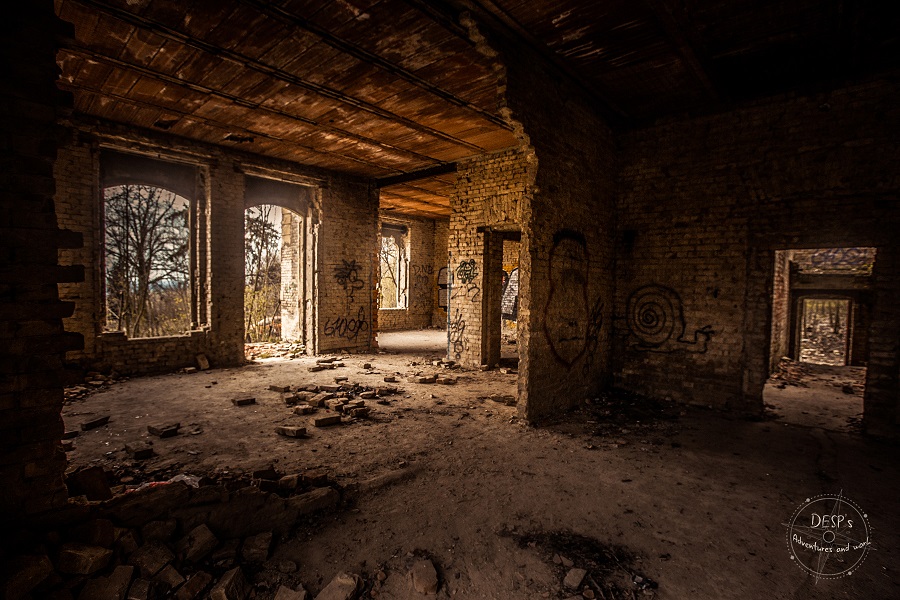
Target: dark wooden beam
441	169
278	74
371	58
229	127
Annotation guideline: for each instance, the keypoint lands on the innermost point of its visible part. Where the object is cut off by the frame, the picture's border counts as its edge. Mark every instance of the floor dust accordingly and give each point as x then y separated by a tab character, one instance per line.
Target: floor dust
653	500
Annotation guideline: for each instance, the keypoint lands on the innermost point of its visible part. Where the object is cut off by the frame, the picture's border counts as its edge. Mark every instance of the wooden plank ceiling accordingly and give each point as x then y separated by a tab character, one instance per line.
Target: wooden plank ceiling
381	88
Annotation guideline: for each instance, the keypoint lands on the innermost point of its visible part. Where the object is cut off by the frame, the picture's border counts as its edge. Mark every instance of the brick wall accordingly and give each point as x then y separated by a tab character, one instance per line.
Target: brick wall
347	266
32	340
781	308
422	279
217	250
77	208
490	192
704	203
566	261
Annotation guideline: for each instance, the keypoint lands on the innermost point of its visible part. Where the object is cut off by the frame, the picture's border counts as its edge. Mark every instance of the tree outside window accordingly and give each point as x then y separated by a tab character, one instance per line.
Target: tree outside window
394	267
147	250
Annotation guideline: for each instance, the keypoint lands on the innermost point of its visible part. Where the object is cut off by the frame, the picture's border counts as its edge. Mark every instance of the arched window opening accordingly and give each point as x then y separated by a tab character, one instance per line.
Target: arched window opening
147	256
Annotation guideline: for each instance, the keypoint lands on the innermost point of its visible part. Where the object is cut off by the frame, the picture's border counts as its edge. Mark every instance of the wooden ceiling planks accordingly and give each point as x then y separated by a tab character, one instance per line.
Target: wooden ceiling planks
379	87
209	69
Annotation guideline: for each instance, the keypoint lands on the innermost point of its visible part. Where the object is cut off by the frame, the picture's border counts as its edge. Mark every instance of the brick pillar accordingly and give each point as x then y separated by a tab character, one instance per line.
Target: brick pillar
291	286
493	288
32	340
346	256
881	409
225	209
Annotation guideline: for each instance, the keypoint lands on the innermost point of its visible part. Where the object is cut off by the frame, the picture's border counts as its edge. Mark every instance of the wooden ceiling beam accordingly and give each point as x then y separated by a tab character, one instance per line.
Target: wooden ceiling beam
364	55
212	122
278	74
441	169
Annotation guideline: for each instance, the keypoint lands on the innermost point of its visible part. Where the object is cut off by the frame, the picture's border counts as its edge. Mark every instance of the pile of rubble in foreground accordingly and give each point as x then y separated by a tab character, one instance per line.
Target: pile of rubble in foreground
169	540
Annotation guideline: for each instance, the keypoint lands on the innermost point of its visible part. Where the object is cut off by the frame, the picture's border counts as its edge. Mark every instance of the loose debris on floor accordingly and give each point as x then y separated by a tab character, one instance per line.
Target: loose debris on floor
618	418
179	538
851	380
589	568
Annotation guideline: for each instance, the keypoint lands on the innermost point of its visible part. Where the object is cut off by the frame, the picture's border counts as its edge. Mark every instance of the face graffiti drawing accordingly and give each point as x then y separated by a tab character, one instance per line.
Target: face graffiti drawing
566	314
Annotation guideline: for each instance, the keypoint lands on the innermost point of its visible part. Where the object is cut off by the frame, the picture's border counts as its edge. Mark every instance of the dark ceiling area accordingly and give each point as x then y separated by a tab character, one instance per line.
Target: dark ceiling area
387	88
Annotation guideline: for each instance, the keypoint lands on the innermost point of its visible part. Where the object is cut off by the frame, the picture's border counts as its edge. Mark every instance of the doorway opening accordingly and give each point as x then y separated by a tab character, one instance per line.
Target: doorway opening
509	303
262	274
821	306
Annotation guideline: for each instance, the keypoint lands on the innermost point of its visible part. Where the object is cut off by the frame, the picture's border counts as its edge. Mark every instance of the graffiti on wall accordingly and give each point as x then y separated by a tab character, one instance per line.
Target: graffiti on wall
456	335
566	315
655	319
347	276
509	299
349	325
466	271
467	289
839	257
422	277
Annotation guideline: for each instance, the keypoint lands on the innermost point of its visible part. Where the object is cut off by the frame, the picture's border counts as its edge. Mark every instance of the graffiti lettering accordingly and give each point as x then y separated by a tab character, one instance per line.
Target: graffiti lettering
457	330
467	271
423	270
421	290
655	317
838	257
347	328
509	299
471	292
347	276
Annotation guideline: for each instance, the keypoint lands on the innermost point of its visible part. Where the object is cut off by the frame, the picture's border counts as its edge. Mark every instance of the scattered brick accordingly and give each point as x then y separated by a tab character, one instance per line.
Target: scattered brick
327	420
139	450
232	586
294	432
95	423
304	409
243	401
164	431
81	559
194	586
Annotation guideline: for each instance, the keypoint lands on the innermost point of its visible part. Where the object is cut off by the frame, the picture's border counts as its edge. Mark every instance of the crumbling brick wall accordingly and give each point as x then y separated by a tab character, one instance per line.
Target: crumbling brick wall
217	249
566	259
32	340
490	192
422	280
704	203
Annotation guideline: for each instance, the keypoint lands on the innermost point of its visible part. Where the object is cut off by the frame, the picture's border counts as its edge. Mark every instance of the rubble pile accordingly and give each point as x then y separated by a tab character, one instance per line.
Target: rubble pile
182	539
260	350
93	381
589	568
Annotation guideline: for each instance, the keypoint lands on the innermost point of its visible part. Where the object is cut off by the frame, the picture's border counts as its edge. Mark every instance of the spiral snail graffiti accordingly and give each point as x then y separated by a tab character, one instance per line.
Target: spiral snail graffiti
655	318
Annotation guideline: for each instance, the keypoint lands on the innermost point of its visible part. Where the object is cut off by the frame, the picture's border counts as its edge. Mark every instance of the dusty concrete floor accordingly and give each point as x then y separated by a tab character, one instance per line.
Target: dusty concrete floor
817	395
698	500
